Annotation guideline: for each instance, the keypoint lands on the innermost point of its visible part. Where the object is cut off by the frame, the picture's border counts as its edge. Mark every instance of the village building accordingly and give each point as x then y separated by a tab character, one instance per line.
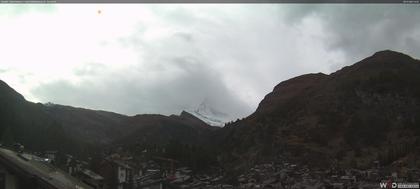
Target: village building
116	173
92	179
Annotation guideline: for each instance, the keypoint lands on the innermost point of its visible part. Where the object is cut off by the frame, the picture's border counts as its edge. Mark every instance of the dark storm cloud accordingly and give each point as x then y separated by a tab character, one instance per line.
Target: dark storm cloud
360	30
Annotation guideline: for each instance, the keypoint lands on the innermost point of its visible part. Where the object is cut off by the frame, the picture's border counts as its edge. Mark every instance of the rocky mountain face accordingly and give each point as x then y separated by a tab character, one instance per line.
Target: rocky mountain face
365	112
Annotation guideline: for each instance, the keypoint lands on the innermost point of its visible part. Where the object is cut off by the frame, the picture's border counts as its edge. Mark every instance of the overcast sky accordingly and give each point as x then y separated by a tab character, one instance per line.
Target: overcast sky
155	58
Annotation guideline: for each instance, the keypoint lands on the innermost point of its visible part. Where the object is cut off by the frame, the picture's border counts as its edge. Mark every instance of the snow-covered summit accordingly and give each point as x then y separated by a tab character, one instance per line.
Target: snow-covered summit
210	115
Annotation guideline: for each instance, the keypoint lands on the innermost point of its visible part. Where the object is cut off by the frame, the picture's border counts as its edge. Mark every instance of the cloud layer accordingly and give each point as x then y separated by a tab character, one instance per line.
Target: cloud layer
166	58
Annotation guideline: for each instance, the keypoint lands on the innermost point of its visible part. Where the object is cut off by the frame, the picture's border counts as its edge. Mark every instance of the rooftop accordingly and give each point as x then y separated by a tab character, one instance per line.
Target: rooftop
31	165
92	174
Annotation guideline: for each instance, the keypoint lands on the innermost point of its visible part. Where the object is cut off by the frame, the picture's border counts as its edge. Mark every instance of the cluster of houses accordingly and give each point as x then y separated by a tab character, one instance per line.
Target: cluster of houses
160	172
118	171
19	169
290	176
115	171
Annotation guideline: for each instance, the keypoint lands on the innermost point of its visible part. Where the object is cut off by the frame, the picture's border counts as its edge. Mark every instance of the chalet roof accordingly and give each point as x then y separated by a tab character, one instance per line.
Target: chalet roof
31	166
92	174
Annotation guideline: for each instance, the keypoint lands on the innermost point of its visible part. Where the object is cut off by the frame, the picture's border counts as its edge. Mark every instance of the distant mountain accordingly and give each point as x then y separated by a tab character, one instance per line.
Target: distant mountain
160	129
365	112
210	115
106	128
76	130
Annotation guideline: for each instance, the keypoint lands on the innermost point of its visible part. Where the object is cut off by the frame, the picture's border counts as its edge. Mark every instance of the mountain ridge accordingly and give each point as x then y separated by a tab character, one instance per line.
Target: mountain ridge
319	118
81	131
